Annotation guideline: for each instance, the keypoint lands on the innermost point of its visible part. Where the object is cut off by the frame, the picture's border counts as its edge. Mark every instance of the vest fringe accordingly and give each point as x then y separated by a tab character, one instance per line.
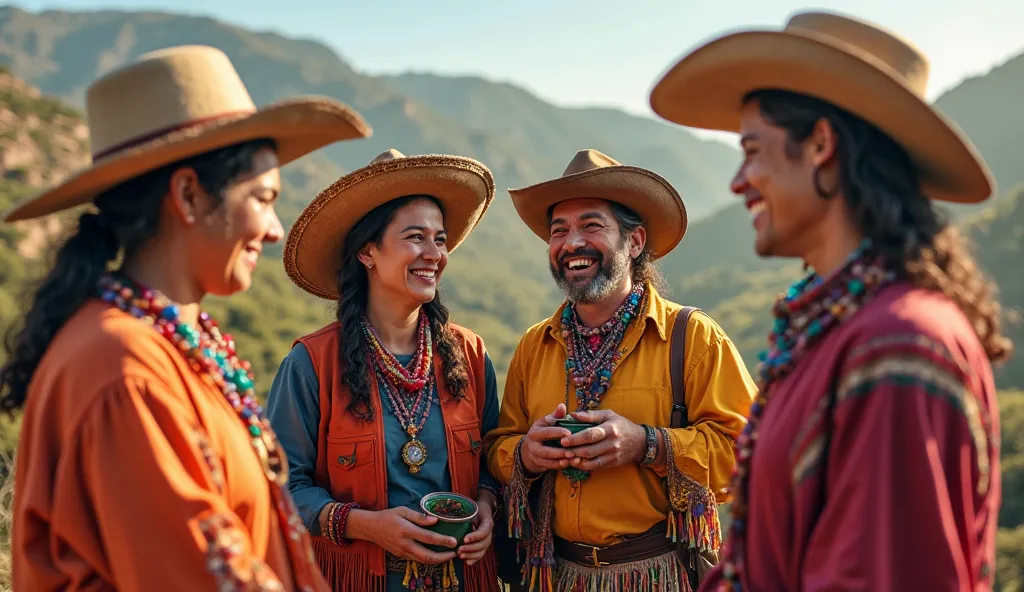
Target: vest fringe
482	576
665	573
344	571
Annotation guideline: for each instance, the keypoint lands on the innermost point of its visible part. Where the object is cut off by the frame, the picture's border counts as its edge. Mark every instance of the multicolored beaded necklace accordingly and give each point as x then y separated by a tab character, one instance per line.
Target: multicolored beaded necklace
409	389
803	316
592	354
210	354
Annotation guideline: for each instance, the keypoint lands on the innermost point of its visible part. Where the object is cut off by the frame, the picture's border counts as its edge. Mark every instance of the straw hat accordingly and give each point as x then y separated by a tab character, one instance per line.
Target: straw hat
312	252
178	102
592	174
854	65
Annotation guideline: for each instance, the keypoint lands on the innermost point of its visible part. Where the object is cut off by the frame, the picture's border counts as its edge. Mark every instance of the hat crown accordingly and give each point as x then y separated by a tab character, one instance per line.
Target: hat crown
387	155
885	47
163	91
588	160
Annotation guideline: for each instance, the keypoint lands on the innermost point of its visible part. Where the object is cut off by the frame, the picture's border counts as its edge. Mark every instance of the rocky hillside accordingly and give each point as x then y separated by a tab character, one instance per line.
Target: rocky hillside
42	141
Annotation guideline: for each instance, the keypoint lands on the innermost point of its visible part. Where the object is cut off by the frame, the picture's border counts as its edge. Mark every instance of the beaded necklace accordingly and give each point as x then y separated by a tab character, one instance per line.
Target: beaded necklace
803	316
212	355
407	389
590	368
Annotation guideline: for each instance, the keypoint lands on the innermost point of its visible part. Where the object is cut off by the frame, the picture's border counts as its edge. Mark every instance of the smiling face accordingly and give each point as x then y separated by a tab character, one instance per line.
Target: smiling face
587	254
776	181
225	242
407	262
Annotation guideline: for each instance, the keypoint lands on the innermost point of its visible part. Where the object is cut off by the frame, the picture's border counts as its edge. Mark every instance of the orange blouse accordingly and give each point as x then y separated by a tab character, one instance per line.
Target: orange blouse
133	473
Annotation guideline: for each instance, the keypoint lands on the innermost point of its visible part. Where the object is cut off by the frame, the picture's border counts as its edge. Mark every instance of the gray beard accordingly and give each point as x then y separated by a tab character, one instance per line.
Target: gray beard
610	273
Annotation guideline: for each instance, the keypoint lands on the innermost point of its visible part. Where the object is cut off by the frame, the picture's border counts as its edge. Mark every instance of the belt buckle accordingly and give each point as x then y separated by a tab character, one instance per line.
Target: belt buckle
596	562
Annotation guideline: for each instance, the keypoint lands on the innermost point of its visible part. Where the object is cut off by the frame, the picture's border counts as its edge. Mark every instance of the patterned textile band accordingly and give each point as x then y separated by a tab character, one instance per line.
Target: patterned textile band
662	573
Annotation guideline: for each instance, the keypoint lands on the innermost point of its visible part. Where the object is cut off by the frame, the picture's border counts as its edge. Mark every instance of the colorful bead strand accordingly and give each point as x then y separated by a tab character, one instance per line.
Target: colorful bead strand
803	316
210	354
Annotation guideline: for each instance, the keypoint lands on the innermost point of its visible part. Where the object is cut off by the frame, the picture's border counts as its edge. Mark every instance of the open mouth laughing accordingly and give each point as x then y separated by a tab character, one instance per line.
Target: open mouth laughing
425	275
579	263
756	207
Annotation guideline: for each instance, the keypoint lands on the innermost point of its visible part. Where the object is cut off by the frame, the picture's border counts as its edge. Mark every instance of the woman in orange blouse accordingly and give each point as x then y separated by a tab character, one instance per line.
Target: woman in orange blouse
145	462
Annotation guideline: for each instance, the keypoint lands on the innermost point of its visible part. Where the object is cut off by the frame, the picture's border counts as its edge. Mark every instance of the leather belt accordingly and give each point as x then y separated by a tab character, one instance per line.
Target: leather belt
647	545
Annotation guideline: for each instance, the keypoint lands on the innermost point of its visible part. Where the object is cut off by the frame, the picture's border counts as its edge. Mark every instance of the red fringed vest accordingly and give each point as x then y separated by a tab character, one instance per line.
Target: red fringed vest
351	458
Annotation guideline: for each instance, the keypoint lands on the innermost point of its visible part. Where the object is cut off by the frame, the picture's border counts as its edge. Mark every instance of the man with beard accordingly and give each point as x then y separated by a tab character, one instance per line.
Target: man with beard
630	502
871	461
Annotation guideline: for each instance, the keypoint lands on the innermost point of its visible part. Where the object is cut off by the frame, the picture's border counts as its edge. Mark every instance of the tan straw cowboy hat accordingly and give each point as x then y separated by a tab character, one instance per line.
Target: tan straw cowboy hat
312	252
179	102
854	65
592	174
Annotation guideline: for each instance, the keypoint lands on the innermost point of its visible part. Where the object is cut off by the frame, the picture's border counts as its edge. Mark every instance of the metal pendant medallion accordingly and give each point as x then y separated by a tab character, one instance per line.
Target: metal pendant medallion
414	454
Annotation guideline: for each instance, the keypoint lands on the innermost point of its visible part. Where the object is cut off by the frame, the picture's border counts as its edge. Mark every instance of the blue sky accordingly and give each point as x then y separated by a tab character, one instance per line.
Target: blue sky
591	52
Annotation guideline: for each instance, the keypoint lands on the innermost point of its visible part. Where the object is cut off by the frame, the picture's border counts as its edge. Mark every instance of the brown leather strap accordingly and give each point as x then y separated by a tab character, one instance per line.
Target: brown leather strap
652	543
677	367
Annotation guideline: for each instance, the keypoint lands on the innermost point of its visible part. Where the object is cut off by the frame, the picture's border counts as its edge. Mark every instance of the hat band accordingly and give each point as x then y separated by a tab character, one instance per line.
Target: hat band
192	123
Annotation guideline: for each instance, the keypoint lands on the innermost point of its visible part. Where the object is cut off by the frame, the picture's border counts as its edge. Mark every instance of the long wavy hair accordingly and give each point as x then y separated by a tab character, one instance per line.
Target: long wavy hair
126	217
883	194
354	287
645	269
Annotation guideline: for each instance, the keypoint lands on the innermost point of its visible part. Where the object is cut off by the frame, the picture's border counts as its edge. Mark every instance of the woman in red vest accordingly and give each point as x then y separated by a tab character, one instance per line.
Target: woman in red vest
390	402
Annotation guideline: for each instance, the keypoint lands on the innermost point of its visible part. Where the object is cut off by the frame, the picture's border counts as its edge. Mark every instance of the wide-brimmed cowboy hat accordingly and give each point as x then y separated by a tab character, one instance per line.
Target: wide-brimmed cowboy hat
178	102
854	65
312	252
593	174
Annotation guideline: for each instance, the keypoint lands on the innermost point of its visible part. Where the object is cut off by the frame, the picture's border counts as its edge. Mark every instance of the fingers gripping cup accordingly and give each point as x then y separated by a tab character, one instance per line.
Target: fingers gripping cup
574	426
455	515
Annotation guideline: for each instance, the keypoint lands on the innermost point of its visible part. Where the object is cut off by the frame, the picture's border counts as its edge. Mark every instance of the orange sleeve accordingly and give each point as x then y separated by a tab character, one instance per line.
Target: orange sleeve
145	472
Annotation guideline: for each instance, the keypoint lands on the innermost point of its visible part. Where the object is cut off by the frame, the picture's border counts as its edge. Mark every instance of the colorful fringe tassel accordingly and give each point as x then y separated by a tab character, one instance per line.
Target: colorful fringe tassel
658	573
533	533
693	515
426	582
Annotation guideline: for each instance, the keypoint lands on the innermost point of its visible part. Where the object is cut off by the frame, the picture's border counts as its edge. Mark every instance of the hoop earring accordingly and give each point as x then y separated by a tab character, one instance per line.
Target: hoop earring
822	193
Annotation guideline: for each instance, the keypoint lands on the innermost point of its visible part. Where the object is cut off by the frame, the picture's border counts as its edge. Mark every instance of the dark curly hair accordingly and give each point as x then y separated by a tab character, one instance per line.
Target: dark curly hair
127	217
882	190
353	285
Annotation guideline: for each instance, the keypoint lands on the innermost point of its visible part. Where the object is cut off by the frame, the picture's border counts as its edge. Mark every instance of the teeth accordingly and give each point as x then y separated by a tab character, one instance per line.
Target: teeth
424	273
756	208
579	262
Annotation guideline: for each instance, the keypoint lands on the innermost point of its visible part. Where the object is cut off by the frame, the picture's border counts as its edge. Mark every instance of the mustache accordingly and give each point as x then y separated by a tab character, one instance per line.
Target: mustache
592	253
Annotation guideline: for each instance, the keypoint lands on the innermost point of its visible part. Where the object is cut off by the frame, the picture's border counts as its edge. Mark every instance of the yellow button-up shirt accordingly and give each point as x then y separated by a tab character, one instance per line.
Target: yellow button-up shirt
631	499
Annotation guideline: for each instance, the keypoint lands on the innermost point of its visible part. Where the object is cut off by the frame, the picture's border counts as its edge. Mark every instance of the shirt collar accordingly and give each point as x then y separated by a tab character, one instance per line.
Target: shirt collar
655	310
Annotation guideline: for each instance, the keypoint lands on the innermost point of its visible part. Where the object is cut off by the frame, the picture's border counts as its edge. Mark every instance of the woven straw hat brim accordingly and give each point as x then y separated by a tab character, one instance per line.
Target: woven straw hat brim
312	254
706	88
648	194
298	126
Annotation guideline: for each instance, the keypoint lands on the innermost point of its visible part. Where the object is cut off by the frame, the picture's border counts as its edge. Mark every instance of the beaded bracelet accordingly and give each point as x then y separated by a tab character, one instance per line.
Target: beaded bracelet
651	452
337	519
498	497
